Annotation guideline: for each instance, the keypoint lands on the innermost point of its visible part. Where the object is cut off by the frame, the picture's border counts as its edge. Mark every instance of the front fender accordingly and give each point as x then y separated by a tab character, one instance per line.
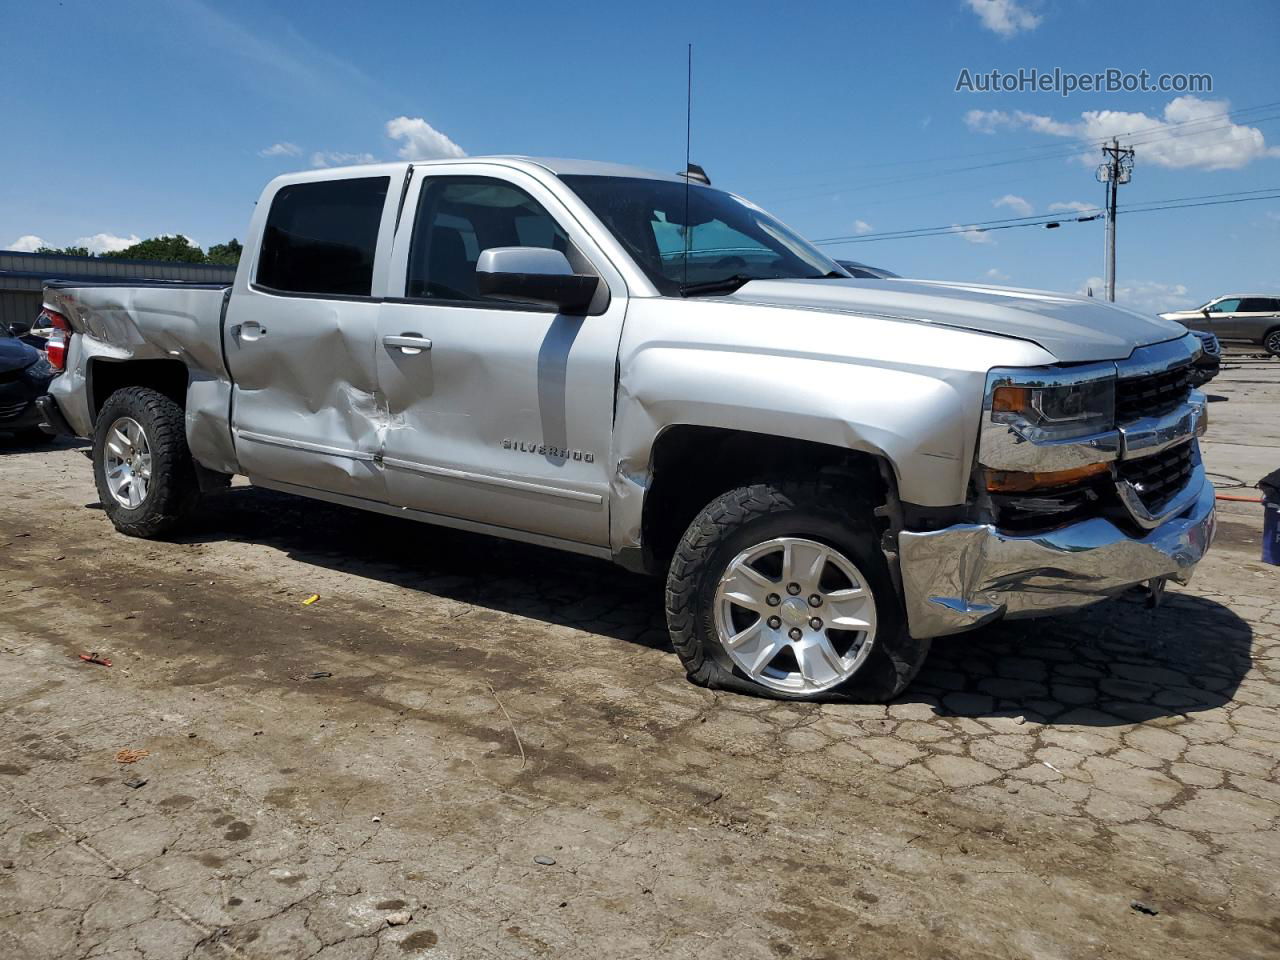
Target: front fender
909	393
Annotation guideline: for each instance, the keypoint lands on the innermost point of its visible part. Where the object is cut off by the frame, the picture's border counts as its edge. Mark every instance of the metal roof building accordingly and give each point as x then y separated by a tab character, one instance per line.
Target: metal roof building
22	275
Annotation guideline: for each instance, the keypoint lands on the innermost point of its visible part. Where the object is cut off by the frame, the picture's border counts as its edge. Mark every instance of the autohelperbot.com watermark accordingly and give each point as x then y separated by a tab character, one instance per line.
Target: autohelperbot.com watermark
1066	82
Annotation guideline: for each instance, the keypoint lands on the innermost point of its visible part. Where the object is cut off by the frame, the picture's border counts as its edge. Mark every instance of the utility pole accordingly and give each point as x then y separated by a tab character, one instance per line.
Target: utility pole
1115	170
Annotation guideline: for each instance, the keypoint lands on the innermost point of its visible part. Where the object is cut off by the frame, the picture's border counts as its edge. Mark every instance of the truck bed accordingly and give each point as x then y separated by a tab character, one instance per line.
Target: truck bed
149	320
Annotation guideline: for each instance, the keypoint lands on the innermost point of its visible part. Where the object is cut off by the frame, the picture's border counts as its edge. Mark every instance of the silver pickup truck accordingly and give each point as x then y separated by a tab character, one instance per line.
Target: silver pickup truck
828	472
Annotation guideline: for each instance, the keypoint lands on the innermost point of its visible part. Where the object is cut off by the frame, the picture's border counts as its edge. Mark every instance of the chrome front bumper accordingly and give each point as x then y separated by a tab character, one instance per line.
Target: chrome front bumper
967	575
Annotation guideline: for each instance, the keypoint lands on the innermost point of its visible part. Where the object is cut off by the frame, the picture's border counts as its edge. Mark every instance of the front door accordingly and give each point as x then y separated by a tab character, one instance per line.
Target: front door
500	414
1221	318
299	336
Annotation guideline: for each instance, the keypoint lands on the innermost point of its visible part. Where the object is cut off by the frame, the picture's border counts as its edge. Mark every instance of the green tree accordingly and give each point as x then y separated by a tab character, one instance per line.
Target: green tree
66	251
173	248
227	254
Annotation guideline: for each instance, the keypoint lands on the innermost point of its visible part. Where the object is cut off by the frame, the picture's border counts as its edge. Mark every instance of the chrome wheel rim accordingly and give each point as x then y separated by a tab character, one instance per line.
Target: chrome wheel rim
1272	344
128	463
795	615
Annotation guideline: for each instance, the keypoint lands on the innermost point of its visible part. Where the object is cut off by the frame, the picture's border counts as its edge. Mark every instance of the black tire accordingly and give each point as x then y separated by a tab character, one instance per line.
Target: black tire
1271	341
173	488
827	511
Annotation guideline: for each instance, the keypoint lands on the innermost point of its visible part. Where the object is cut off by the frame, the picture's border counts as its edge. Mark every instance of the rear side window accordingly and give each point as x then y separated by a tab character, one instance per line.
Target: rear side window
1257	305
321	237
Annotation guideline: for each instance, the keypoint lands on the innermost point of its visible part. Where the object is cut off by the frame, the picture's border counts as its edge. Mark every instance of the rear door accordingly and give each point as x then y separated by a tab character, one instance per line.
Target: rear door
500	414
300	331
1255	317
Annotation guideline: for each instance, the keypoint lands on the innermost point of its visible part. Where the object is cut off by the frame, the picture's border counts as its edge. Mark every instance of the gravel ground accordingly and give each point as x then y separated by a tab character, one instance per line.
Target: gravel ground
502	758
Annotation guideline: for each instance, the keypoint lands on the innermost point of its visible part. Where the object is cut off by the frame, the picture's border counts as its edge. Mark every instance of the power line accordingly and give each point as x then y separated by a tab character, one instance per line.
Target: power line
1057	151
1083	142
1041	220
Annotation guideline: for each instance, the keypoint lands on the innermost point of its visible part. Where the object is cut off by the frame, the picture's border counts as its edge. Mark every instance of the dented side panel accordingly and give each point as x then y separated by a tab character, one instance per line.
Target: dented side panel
157	322
908	392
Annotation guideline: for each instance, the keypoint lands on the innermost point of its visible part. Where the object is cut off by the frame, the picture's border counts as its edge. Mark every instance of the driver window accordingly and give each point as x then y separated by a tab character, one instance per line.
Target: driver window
1225	306
460	217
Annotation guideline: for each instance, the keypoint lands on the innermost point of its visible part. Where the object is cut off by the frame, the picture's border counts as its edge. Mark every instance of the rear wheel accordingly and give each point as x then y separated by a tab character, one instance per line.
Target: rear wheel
145	476
1271	342
780	589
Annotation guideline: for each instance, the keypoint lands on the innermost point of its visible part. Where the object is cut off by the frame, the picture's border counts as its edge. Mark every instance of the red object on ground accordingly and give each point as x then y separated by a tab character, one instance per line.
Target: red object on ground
94	658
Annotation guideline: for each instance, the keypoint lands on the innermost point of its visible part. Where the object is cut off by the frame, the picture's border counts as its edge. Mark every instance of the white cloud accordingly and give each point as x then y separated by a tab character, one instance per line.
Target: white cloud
861	226
996	276
27	243
1189	133
972	234
421	141
332	158
1075	206
106	242
282	149
1005	17
1145	296
986	121
1014	203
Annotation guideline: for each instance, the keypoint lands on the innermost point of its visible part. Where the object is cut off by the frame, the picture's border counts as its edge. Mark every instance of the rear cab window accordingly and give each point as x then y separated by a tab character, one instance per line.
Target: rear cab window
321	238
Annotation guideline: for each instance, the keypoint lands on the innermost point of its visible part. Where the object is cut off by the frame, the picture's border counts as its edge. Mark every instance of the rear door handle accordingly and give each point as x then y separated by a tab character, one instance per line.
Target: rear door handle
410	344
250	331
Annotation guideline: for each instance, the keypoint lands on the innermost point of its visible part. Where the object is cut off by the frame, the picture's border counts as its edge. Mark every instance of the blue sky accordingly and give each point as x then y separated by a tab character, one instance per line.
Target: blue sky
135	118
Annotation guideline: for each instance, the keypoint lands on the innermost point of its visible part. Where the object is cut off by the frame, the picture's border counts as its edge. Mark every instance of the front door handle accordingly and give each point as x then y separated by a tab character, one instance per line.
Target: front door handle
410	344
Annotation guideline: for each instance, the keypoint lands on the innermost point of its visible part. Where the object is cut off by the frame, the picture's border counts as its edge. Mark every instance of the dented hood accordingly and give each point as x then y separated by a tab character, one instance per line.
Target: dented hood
1073	329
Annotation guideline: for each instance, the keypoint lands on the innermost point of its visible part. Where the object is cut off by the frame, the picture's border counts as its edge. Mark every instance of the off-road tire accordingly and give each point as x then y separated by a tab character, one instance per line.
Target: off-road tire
1271	341
173	490
829	511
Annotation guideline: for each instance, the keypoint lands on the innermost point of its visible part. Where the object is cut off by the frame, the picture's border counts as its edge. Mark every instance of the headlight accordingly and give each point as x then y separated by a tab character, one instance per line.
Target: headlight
1061	412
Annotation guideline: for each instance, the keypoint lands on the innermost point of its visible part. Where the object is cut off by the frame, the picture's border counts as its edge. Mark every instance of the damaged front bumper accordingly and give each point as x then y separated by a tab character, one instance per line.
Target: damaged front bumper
967	575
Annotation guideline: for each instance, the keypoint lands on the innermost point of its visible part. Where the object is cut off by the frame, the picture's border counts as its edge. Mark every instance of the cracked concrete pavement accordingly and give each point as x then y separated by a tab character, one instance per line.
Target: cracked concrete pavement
491	703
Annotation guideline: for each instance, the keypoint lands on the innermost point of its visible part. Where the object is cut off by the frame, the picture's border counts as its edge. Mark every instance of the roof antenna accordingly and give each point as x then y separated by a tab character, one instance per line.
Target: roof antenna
688	133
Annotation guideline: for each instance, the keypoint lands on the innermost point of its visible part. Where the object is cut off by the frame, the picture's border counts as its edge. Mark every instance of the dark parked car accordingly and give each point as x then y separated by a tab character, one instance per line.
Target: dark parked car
865	272
25	375
34	334
1209	363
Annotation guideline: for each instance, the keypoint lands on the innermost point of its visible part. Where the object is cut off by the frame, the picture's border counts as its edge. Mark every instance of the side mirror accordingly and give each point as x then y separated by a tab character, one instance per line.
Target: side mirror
1206	311
534	275
19	329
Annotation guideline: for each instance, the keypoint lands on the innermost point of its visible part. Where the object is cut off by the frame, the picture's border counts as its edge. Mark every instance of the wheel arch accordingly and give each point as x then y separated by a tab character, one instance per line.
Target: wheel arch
690	464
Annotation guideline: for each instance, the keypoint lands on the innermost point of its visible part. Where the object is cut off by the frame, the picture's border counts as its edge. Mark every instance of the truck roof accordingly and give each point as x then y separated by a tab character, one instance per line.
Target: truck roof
557	165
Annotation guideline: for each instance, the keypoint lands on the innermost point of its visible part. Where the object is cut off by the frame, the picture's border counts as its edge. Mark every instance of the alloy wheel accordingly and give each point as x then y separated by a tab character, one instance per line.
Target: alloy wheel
795	615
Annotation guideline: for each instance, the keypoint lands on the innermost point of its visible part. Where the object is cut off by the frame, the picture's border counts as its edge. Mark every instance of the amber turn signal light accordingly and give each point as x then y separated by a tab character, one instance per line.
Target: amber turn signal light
1011	399
1009	481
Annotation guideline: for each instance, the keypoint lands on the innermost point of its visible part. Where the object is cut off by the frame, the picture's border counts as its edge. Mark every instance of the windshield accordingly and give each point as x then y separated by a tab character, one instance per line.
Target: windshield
726	238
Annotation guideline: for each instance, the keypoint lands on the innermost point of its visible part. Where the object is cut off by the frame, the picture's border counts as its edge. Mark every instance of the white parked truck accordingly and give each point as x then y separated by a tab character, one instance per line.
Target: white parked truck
828	472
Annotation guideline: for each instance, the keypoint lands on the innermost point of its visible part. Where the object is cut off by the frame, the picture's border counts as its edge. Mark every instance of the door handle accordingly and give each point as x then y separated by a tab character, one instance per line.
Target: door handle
410	344
250	331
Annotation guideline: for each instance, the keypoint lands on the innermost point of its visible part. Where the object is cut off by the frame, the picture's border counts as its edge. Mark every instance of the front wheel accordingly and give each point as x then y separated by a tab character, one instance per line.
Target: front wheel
144	472
780	589
1271	342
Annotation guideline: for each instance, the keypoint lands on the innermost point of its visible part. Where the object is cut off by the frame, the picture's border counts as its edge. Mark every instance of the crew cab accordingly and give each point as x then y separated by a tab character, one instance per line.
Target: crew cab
828	472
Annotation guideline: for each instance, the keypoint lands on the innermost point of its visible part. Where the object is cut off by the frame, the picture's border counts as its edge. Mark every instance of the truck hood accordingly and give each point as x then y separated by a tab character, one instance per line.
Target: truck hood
1073	329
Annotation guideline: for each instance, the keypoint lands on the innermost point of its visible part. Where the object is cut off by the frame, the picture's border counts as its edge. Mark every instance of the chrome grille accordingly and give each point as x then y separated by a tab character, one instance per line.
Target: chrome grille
1152	395
1158	478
